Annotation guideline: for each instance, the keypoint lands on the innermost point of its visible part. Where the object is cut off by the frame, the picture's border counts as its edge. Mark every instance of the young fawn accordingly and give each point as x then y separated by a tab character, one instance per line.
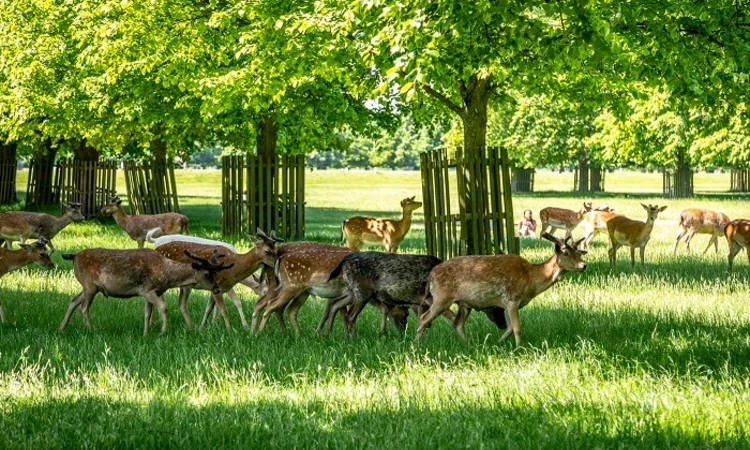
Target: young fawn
390	233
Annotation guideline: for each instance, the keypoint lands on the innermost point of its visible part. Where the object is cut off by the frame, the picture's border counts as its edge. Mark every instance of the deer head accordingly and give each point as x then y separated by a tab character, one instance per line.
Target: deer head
568	256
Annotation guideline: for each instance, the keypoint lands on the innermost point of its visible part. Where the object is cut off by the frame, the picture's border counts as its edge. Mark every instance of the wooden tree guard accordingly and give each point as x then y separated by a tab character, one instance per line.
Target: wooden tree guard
677	183
740	180
266	193
588	178
89	183
8	169
151	187
490	214
43	186
522	179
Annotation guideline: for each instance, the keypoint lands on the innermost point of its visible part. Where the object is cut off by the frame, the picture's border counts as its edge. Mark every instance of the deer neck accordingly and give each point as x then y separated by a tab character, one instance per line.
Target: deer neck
546	274
244	266
178	274
61	222
646	229
405	221
121	218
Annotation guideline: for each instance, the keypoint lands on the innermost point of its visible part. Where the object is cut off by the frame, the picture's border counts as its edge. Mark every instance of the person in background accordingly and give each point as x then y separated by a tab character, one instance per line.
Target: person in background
527	225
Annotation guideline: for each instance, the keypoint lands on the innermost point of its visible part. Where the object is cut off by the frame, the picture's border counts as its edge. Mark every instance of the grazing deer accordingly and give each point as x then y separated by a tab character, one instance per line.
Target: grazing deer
501	284
132	273
395	280
737	233
139	225
11	260
595	222
244	265
695	220
47	226
390	233
633	233
13	227
561	218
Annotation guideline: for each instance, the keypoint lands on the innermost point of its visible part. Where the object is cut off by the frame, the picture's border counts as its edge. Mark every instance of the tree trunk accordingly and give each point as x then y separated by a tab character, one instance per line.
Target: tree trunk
740	180
8	169
522	179
42	189
264	189
85	162
588	177
678	183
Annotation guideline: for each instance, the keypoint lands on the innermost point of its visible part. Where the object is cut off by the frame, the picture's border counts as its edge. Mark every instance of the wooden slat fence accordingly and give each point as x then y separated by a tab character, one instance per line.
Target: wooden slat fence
8	170
43	185
151	187
522	179
483	221
89	183
264	192
739	180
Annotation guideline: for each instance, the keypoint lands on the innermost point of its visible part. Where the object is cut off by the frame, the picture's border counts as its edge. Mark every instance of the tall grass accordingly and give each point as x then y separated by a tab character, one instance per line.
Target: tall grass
653	358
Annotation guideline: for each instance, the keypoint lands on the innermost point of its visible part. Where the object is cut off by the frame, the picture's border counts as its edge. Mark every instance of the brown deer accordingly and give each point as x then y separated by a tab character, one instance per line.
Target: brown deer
244	265
595	222
13	227
701	221
137	273
390	233
47	226
633	233
561	218
139	225
497	285
11	260
737	233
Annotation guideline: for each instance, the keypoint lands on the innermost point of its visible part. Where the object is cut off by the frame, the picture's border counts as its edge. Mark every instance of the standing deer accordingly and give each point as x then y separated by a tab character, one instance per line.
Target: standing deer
501	284
11	260
695	220
633	233
244	265
595	222
737	233
390	233
139	225
134	273
47	226
13	227
561	218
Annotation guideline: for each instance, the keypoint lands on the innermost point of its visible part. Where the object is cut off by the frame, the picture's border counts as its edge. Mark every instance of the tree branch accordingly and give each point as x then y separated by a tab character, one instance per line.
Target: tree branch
444	100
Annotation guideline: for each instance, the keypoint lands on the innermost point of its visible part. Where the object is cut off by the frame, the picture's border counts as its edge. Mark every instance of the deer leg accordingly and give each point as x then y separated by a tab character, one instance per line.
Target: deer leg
219	299
184	295
75	302
85	305
714	240
460	321
643	254
341	302
209	308
689	238
294	308
158	301
351	316
276	306
238	304
148	309
326	312
735	248
679	236
260	305
140	242
435	310
613	256
2	312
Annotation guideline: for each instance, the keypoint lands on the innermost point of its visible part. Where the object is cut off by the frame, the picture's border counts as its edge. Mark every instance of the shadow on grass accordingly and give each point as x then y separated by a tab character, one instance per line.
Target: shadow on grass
628	195
89	422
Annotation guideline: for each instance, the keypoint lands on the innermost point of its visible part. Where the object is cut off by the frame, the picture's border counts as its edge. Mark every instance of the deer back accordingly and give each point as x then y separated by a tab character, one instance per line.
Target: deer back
14	227
703	221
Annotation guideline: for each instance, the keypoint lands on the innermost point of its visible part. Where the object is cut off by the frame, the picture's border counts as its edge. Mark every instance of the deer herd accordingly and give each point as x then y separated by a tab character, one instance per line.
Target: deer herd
284	275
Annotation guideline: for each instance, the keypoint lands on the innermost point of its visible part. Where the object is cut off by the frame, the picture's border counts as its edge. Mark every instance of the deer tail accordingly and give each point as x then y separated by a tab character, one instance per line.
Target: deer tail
68	256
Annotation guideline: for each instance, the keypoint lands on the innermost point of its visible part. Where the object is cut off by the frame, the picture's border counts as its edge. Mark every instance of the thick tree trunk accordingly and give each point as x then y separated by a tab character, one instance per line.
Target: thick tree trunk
522	179
588	177
264	191
678	183
85	162
43	191
8	169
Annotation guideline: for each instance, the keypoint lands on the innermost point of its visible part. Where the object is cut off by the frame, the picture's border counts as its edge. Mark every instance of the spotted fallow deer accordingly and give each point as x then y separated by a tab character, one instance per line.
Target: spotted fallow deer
133	273
633	233
737	233
139	225
595	222
390	233
561	218
497	283
244	265
701	221
47	226
11	260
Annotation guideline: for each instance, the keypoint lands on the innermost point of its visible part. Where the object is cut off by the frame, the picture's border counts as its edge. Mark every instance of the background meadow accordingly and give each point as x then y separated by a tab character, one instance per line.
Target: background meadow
657	357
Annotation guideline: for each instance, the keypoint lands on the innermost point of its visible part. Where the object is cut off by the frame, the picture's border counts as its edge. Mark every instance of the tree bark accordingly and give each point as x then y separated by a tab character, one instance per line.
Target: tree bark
679	182
740	180
522	179
42	172
264	191
8	170
85	162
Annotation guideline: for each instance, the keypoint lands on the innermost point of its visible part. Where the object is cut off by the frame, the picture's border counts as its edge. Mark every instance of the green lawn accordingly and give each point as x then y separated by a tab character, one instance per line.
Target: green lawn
655	358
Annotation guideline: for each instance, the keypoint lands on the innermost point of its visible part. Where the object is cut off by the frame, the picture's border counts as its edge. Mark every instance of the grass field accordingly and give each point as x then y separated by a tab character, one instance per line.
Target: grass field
655	358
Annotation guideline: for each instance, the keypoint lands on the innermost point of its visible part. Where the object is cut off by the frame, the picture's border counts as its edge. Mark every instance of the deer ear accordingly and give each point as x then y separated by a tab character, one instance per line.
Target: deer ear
644	206
119	202
662	208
